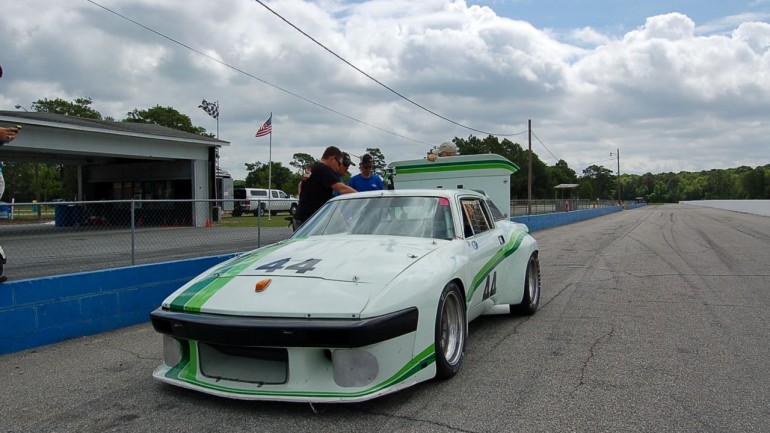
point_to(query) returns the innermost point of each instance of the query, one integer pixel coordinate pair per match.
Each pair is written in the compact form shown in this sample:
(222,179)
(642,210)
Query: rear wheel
(451,330)
(531,299)
(261,210)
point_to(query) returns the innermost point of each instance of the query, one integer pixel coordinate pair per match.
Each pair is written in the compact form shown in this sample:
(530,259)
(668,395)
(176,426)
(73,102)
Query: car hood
(329,276)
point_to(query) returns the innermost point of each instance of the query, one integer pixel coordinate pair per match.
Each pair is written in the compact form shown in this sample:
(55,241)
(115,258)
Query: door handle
(501,239)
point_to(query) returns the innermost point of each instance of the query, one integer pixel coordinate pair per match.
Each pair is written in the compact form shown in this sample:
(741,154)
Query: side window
(496,214)
(259,193)
(274,193)
(474,219)
(282,194)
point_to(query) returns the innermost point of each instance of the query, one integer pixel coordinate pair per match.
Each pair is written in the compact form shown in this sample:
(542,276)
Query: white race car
(372,295)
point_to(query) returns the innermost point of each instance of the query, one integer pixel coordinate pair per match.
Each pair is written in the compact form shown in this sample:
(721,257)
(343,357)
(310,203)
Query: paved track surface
(655,319)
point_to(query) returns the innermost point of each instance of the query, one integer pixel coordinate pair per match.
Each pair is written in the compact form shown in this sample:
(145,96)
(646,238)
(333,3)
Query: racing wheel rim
(452,335)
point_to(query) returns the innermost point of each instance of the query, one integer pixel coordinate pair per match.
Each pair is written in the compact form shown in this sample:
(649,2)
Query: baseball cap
(346,159)
(446,146)
(367,161)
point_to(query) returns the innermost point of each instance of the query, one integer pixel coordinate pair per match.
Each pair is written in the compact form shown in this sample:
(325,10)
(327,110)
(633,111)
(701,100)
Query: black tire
(293,209)
(531,299)
(451,331)
(261,210)
(236,212)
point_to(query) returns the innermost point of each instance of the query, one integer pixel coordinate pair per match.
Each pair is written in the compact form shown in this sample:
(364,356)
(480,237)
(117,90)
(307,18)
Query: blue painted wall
(546,221)
(47,310)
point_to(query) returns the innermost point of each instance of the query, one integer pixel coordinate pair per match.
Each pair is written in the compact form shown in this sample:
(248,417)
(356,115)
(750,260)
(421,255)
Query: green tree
(168,117)
(602,181)
(80,107)
(281,177)
(516,154)
(753,183)
(719,185)
(26,182)
(301,161)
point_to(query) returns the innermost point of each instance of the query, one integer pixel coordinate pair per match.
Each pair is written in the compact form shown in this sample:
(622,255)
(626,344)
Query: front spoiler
(282,332)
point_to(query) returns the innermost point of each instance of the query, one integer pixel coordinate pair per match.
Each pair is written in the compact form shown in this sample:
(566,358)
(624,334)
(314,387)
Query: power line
(544,146)
(376,80)
(252,76)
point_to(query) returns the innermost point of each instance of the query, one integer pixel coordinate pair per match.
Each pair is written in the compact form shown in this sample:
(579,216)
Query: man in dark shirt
(318,187)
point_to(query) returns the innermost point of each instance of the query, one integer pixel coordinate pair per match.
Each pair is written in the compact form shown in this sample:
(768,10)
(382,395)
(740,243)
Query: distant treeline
(596,181)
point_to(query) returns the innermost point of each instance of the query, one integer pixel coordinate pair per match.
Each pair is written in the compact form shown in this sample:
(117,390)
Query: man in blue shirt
(366,180)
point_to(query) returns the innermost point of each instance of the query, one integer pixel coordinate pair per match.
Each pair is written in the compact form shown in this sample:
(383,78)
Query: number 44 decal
(490,288)
(300,267)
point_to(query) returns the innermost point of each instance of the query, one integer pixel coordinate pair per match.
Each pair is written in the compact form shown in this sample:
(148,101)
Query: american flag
(210,107)
(267,128)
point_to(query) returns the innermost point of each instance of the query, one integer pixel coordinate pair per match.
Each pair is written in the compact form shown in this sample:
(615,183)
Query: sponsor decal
(505,251)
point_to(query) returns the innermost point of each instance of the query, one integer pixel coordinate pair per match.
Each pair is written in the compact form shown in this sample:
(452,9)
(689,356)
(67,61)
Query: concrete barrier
(47,310)
(755,207)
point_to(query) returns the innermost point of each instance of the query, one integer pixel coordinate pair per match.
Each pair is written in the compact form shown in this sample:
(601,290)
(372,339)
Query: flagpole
(270,169)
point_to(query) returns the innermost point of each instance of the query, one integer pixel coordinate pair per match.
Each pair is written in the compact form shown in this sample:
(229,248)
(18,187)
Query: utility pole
(529,176)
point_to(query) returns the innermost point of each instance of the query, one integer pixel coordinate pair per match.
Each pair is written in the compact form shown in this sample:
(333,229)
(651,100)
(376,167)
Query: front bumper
(282,332)
(319,360)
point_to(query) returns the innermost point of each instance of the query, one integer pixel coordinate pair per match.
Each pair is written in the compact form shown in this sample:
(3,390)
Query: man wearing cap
(343,170)
(366,180)
(323,180)
(446,148)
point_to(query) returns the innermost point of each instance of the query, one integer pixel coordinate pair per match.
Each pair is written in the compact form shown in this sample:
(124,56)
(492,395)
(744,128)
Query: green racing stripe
(193,298)
(454,166)
(509,248)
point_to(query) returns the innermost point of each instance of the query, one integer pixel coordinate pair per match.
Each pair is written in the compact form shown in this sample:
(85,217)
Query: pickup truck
(255,201)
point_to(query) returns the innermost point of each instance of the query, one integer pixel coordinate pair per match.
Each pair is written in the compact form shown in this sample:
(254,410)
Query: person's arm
(342,188)
(8,134)
(432,157)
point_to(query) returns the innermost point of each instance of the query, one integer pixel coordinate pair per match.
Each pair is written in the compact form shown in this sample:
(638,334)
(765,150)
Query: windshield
(425,217)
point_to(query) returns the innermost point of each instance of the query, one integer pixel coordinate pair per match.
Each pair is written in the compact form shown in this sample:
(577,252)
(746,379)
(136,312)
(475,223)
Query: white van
(257,201)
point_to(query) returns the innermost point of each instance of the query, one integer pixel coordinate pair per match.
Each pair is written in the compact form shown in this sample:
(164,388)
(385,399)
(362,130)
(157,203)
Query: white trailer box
(488,173)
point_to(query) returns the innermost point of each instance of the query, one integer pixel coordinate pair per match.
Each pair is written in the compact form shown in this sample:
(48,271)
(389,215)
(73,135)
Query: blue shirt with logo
(360,183)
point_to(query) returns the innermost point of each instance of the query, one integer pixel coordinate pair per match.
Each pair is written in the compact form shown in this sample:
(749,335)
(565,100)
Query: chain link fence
(536,207)
(53,238)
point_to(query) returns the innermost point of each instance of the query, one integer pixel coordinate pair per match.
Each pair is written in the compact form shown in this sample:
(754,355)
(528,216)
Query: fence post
(133,233)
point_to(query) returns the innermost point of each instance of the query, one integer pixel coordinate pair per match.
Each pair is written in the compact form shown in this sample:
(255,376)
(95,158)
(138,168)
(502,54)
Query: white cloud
(670,96)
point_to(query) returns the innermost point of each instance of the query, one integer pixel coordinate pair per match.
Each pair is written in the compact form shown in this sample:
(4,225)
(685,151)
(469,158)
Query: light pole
(617,153)
(21,107)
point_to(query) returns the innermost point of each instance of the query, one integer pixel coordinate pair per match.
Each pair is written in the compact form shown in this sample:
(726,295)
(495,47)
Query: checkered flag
(210,107)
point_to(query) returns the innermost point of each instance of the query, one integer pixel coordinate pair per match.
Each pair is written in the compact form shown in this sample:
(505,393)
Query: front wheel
(293,209)
(531,299)
(451,330)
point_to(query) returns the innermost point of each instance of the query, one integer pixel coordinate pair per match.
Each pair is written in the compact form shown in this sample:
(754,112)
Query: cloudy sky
(675,85)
